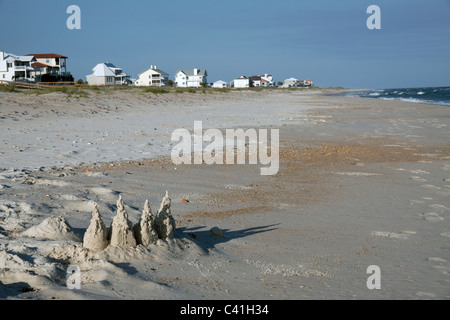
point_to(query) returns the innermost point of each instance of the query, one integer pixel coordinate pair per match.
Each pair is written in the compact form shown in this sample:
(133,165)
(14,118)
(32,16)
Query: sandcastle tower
(164,221)
(145,230)
(121,232)
(95,237)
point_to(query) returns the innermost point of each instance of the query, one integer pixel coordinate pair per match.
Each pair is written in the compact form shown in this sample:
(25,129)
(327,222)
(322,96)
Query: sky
(326,41)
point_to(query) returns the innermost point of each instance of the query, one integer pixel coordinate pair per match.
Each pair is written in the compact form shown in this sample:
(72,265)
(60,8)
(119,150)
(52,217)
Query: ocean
(431,95)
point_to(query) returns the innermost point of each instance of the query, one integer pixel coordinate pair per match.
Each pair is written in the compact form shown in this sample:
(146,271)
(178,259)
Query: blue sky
(323,40)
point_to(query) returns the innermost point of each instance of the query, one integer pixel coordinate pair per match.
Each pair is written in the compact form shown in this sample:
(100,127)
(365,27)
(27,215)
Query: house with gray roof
(107,74)
(153,77)
(191,78)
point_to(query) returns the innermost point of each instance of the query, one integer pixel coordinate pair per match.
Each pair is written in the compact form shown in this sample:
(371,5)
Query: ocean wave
(434,95)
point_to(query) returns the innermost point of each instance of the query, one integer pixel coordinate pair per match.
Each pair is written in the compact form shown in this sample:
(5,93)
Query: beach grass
(84,91)
(8,88)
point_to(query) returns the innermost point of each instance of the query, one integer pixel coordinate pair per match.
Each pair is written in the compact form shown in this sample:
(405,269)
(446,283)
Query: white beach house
(152,77)
(191,78)
(291,82)
(16,68)
(107,74)
(220,84)
(242,82)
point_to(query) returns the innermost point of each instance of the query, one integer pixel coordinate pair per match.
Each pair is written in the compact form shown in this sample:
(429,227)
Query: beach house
(241,82)
(16,68)
(220,84)
(50,67)
(291,82)
(294,83)
(191,78)
(306,83)
(107,74)
(265,80)
(152,77)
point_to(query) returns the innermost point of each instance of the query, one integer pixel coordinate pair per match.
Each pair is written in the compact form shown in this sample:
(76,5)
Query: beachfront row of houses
(51,67)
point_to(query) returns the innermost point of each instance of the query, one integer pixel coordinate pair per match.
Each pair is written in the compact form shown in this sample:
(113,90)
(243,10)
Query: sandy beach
(362,182)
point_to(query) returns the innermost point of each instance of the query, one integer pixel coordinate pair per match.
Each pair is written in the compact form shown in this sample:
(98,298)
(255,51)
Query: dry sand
(362,182)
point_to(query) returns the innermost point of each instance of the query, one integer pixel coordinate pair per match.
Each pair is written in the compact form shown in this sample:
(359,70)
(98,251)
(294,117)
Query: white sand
(362,182)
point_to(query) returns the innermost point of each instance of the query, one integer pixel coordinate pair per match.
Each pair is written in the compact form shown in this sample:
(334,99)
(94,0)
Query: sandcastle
(95,237)
(123,234)
(145,230)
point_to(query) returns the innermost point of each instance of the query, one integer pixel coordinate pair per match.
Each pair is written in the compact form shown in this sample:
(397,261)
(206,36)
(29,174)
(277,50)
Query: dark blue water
(431,95)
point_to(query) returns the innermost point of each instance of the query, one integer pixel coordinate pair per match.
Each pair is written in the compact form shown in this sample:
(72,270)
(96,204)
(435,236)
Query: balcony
(19,68)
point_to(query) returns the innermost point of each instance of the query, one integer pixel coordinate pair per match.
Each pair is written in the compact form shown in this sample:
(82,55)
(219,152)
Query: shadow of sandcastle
(209,238)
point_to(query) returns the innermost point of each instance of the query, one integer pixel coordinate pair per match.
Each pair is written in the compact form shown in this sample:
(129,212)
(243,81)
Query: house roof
(190,72)
(102,70)
(156,71)
(160,71)
(110,65)
(46,55)
(221,82)
(13,57)
(39,65)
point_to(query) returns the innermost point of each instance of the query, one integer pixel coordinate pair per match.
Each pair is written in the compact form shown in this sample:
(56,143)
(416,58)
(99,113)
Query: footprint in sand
(440,260)
(424,199)
(431,216)
(430,186)
(439,207)
(441,267)
(394,235)
(413,171)
(418,179)
(425,294)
